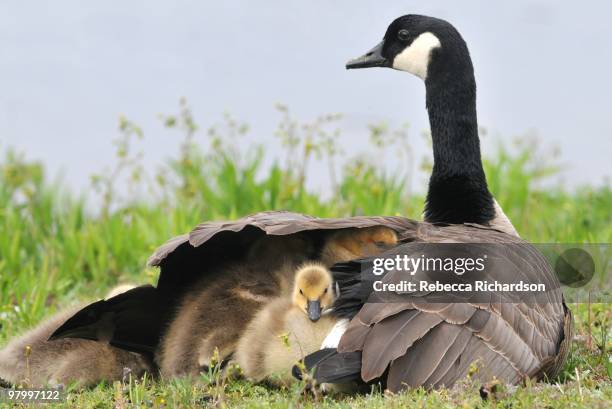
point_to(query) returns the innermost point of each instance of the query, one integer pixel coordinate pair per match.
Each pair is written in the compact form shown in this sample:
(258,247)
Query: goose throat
(458,191)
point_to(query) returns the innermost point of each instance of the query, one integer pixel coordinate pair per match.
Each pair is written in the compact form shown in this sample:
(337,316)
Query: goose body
(556,320)
(288,329)
(33,360)
(513,339)
(421,340)
(415,342)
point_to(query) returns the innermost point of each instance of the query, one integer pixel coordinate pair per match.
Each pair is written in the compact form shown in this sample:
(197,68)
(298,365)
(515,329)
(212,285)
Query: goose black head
(418,45)
(433,50)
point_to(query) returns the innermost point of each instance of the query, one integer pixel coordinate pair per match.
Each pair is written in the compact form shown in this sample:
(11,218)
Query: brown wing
(431,344)
(186,259)
(277,223)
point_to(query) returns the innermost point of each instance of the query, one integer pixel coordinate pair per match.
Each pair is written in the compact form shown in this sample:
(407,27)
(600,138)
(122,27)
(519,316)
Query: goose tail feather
(330,366)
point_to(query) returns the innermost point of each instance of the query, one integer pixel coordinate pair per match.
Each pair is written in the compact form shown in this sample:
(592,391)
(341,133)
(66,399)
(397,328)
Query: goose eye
(403,35)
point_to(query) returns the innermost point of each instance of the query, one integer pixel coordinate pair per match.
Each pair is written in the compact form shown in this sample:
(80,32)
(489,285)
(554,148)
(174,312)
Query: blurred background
(69,69)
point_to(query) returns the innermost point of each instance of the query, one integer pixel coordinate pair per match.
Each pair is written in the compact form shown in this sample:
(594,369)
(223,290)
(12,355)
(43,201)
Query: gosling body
(35,361)
(288,328)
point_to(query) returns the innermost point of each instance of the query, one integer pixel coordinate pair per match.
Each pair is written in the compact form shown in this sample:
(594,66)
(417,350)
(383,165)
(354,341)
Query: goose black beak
(372,58)
(314,310)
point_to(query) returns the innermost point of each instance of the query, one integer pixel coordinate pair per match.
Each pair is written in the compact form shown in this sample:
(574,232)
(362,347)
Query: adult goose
(437,343)
(415,341)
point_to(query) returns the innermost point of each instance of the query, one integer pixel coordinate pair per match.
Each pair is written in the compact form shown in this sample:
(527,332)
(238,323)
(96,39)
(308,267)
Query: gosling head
(419,45)
(312,291)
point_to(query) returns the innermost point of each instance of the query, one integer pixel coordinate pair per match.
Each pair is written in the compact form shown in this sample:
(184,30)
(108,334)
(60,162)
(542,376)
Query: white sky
(69,68)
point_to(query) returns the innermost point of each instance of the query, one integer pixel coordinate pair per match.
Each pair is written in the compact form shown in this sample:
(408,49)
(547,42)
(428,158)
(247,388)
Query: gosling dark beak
(314,310)
(372,58)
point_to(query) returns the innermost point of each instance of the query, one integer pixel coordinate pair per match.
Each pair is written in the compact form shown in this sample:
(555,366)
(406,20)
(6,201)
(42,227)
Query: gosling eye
(403,35)
(301,292)
(325,292)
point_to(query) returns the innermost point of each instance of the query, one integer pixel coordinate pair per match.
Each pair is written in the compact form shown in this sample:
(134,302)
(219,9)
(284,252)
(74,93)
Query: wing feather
(510,337)
(279,223)
(414,368)
(399,333)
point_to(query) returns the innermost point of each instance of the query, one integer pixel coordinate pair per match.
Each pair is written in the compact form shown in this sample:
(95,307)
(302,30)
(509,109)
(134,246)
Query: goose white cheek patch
(415,58)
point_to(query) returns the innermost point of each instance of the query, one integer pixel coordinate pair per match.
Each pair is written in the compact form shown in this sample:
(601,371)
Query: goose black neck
(458,190)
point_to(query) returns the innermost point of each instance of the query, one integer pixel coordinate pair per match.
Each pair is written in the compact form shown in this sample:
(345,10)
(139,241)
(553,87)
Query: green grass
(57,247)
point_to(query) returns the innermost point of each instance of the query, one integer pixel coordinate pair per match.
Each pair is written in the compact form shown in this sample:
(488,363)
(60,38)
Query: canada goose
(424,344)
(34,361)
(535,339)
(288,328)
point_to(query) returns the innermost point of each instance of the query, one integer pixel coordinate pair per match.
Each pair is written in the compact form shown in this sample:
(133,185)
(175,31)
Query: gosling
(33,361)
(288,329)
